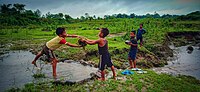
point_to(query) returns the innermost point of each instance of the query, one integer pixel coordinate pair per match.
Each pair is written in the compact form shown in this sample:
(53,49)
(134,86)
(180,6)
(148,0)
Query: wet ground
(16,70)
(184,62)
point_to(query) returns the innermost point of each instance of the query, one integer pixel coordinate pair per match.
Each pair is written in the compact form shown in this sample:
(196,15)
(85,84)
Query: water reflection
(186,61)
(16,70)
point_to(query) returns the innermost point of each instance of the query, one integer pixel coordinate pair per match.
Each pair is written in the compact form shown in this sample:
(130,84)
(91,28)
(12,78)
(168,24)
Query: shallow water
(183,63)
(16,70)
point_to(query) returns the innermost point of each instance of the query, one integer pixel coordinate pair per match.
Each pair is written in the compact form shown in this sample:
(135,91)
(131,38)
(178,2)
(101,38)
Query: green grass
(39,76)
(24,38)
(149,82)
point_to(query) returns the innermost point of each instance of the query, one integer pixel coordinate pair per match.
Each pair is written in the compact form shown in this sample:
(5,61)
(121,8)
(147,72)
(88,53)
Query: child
(133,50)
(105,58)
(140,32)
(52,45)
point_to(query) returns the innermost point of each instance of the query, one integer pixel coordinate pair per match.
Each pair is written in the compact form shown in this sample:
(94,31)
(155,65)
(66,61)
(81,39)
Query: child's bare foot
(131,67)
(54,75)
(114,77)
(34,63)
(101,79)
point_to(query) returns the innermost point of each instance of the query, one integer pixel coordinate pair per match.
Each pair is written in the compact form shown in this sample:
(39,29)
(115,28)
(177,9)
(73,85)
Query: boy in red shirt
(52,45)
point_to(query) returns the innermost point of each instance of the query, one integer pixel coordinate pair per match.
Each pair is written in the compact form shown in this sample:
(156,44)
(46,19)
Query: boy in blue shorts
(133,50)
(103,52)
(140,32)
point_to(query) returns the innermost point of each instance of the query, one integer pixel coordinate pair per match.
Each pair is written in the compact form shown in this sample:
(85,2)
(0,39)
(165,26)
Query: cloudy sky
(77,8)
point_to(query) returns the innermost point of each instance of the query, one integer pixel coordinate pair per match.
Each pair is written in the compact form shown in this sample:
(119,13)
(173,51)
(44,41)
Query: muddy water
(184,62)
(16,70)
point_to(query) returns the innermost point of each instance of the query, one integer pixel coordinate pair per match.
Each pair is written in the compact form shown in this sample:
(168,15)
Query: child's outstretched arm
(73,36)
(72,45)
(92,42)
(63,41)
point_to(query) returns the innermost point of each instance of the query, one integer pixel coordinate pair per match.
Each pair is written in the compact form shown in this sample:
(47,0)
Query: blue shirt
(133,48)
(140,32)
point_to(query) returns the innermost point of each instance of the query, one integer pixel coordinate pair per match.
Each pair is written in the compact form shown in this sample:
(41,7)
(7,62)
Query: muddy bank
(184,38)
(163,51)
(185,60)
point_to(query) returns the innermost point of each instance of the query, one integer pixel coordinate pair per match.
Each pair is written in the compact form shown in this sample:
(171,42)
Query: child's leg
(103,75)
(130,62)
(113,70)
(54,64)
(135,63)
(141,42)
(36,58)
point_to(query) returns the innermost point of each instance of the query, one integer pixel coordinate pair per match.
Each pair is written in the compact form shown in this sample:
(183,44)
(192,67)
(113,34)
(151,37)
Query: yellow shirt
(55,43)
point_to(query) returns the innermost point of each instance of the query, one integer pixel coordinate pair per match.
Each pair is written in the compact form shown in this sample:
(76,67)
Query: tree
(68,18)
(106,16)
(49,15)
(156,15)
(61,15)
(132,15)
(119,15)
(37,13)
(5,8)
(87,15)
(82,18)
(148,15)
(124,15)
(19,7)
(94,17)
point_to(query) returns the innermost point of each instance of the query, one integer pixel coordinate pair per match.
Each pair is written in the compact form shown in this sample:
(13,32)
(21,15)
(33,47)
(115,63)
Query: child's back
(104,49)
(104,57)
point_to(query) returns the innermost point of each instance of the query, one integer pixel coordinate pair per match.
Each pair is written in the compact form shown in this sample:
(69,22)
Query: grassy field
(33,38)
(26,38)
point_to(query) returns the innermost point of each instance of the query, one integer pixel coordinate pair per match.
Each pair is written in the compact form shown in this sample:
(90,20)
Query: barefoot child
(133,50)
(140,32)
(52,45)
(103,52)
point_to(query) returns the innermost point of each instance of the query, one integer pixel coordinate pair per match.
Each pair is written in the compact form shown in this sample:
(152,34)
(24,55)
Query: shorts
(104,60)
(49,53)
(140,38)
(132,55)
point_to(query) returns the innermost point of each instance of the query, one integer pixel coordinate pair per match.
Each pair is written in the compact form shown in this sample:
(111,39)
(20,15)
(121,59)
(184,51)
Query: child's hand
(82,42)
(79,37)
(129,43)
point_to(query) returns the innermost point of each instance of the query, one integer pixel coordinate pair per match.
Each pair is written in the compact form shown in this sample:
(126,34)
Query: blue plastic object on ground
(127,72)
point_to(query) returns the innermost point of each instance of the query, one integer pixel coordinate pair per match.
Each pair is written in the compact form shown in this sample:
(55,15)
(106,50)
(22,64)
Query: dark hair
(133,31)
(141,24)
(60,30)
(105,31)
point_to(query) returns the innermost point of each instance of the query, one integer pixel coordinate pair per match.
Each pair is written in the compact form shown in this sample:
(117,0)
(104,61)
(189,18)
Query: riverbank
(127,83)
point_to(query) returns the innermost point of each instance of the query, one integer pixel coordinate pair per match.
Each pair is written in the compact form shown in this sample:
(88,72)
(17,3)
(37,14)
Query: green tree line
(17,15)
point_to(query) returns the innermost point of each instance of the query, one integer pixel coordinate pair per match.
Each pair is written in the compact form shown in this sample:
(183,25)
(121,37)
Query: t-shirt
(56,42)
(140,32)
(133,48)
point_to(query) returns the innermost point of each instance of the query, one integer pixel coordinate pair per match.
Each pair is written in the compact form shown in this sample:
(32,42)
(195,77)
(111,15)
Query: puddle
(16,70)
(185,62)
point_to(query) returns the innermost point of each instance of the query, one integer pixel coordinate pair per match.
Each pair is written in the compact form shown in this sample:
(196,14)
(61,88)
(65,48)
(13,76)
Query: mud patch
(16,70)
